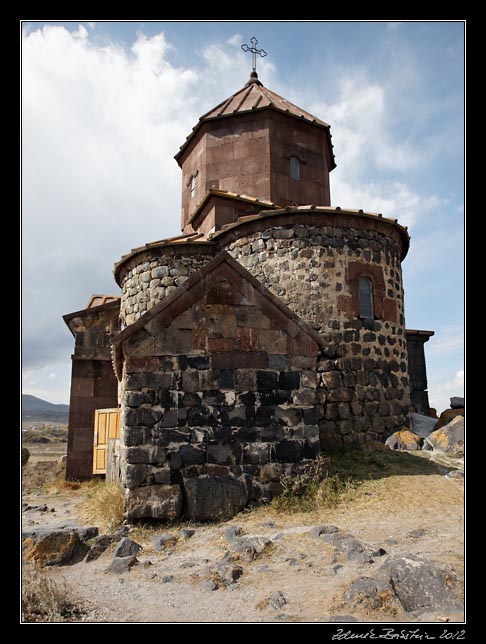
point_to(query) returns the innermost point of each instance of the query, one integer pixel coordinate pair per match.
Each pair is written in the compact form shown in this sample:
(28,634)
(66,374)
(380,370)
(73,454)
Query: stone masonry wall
(215,408)
(314,270)
(151,279)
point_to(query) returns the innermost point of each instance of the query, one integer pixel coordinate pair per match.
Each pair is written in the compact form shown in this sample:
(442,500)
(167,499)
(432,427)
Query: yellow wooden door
(106,425)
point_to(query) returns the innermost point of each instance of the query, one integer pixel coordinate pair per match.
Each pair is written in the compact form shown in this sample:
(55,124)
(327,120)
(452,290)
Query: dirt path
(165,586)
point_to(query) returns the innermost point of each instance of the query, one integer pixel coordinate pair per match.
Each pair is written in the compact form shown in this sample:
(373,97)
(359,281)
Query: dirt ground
(165,586)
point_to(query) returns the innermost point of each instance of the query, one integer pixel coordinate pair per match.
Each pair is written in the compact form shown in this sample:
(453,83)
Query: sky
(106,106)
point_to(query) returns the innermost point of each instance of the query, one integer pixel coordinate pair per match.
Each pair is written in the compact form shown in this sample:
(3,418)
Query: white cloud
(441,392)
(365,147)
(393,199)
(361,123)
(51,376)
(235,39)
(448,342)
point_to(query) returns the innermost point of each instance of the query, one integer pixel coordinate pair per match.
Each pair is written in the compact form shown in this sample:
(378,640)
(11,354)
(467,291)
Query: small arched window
(193,185)
(365,298)
(294,168)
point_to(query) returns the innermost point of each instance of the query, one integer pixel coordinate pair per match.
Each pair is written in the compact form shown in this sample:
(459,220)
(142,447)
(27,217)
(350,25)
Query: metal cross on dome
(253,50)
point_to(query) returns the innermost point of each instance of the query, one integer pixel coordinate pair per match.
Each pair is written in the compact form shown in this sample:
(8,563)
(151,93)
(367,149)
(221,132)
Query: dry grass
(44,600)
(314,488)
(104,505)
(361,477)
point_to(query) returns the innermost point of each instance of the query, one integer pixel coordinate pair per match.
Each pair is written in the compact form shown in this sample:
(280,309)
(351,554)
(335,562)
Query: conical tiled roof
(254,96)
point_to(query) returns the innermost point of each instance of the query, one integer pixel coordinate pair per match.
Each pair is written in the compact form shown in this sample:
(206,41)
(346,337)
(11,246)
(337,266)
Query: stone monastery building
(270,331)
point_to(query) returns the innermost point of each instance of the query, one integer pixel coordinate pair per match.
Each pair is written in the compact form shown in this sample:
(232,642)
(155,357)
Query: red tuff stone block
(390,311)
(221,344)
(200,339)
(303,345)
(136,364)
(240,360)
(248,339)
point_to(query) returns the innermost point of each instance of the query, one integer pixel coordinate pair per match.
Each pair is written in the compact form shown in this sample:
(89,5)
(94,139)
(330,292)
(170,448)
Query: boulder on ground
(119,565)
(447,416)
(214,498)
(277,600)
(227,573)
(404,440)
(154,501)
(57,547)
(423,425)
(319,530)
(248,548)
(126,548)
(164,540)
(99,545)
(353,549)
(370,594)
(448,439)
(420,584)
(457,402)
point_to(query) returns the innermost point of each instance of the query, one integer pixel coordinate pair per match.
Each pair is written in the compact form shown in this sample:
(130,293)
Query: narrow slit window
(365,298)
(294,168)
(193,185)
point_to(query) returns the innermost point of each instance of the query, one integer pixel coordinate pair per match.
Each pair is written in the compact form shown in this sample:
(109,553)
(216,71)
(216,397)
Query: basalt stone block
(304,396)
(234,416)
(161,475)
(166,436)
(275,397)
(227,378)
(256,453)
(277,362)
(312,448)
(145,416)
(342,394)
(145,454)
(266,380)
(224,453)
(332,411)
(198,362)
(154,501)
(169,419)
(246,434)
(247,398)
(214,498)
(167,399)
(136,435)
(190,399)
(289,451)
(200,417)
(345,426)
(136,475)
(175,460)
(192,455)
(344,411)
(270,472)
(263,415)
(289,380)
(362,424)
(288,417)
(271,434)
(137,398)
(221,433)
(213,398)
(324,364)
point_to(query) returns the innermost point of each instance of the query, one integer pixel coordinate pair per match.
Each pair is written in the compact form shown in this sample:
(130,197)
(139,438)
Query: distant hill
(38,409)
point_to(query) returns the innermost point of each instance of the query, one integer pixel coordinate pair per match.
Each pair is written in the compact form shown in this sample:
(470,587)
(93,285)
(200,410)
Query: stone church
(271,330)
